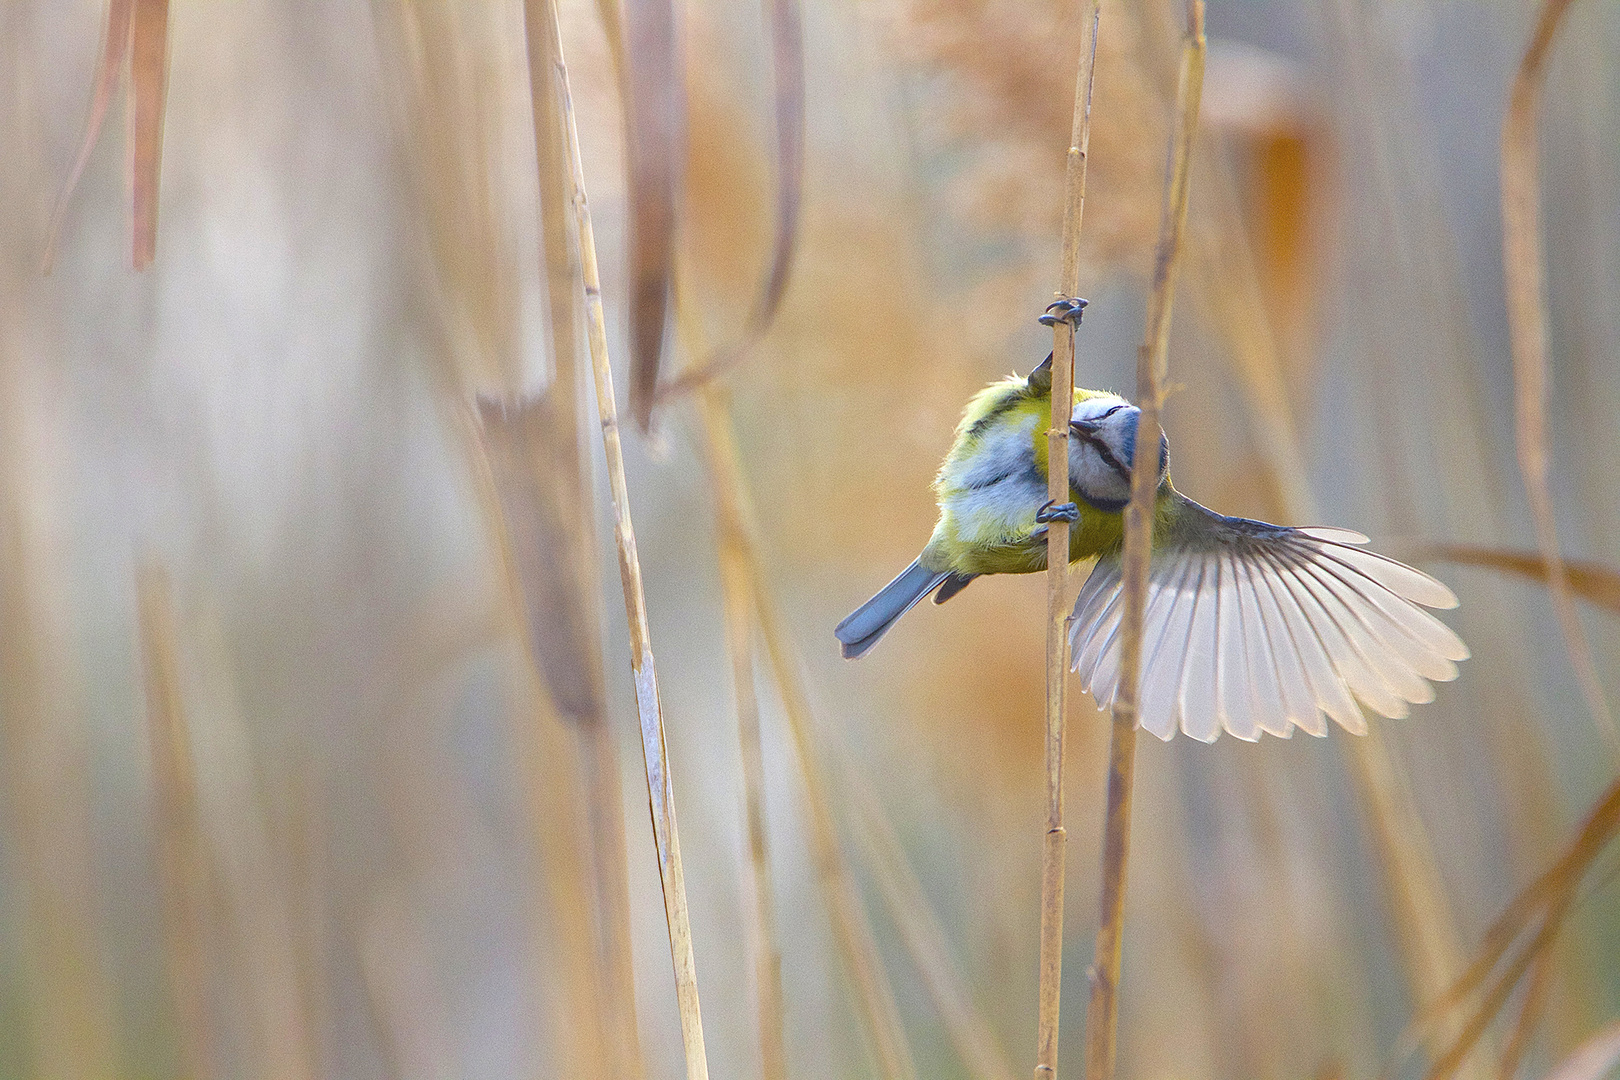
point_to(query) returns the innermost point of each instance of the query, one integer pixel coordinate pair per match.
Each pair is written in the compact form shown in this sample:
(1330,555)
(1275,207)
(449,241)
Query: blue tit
(1249,627)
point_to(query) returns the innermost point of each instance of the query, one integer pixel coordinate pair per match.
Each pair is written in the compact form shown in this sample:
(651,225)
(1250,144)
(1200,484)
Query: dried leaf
(524,444)
(787,59)
(114,44)
(655,122)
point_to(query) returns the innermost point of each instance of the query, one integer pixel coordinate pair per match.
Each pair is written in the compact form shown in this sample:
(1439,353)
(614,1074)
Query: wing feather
(1265,689)
(1160,687)
(1383,662)
(1292,679)
(1253,628)
(1196,700)
(1234,703)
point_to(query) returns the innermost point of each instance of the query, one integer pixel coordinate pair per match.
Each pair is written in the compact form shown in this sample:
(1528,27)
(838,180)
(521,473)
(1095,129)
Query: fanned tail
(869,622)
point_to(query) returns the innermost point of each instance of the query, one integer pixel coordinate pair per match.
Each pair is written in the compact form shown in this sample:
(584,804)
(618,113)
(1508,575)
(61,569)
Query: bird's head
(1102,450)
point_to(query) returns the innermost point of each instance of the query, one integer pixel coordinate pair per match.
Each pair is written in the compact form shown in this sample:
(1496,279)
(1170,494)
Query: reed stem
(1525,285)
(1102,1014)
(660,789)
(1057,567)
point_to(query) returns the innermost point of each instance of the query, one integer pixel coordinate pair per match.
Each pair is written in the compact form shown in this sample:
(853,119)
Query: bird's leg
(1053,510)
(1068,311)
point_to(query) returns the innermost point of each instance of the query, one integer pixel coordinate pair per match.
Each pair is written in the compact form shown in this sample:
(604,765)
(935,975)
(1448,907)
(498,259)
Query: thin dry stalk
(565,470)
(923,937)
(138,29)
(1226,283)
(148,91)
(182,871)
(1593,582)
(1543,904)
(1054,841)
(660,788)
(1524,280)
(737,600)
(1151,366)
(737,610)
(873,994)
(1531,1011)
(874,997)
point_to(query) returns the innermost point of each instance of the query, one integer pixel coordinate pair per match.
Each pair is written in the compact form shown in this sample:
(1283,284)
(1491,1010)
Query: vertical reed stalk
(182,872)
(873,994)
(1054,841)
(737,609)
(1525,284)
(567,470)
(660,790)
(736,587)
(923,937)
(874,997)
(1102,1015)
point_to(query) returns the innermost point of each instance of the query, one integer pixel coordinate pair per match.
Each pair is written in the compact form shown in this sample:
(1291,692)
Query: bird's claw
(1055,511)
(1068,311)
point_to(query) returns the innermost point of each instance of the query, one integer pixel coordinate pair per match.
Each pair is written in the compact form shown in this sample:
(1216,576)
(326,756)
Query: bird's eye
(1110,412)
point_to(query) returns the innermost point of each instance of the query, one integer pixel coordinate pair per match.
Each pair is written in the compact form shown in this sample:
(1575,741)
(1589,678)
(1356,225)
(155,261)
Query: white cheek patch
(1092,408)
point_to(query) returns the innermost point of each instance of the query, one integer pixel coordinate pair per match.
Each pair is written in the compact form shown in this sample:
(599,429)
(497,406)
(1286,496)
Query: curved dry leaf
(114,44)
(1593,582)
(787,60)
(655,121)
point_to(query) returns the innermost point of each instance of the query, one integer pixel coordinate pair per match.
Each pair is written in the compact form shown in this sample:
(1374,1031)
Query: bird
(1249,627)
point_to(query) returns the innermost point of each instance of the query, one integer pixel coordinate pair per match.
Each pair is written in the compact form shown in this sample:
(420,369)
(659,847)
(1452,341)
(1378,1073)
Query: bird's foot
(1068,311)
(1055,511)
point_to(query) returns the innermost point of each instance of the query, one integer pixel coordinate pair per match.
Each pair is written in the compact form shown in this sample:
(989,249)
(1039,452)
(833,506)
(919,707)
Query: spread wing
(1253,627)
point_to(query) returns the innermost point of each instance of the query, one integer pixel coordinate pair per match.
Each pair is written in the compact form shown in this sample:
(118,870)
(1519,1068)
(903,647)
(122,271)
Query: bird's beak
(1085,427)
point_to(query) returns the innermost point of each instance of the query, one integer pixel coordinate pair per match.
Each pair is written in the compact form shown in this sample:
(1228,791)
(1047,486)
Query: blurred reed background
(316,735)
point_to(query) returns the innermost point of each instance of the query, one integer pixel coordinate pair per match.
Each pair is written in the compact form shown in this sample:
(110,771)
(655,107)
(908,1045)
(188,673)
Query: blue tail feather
(869,622)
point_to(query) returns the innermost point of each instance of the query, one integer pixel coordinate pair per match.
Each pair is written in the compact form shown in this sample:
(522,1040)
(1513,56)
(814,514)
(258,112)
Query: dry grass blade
(1524,277)
(655,117)
(1593,582)
(148,89)
(1225,280)
(873,994)
(564,468)
(1531,1012)
(1543,904)
(737,612)
(737,601)
(114,45)
(660,789)
(1593,1059)
(874,997)
(517,477)
(182,871)
(787,65)
(924,938)
(1057,569)
(1151,365)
